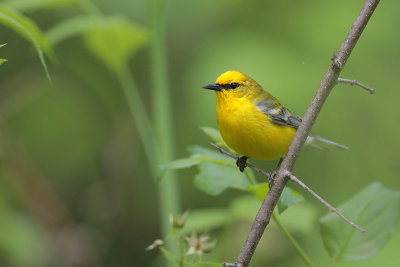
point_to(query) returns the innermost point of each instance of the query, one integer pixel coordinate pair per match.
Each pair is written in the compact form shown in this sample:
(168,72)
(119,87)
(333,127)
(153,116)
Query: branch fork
(288,175)
(329,81)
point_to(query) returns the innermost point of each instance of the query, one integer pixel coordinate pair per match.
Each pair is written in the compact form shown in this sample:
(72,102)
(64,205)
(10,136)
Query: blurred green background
(75,185)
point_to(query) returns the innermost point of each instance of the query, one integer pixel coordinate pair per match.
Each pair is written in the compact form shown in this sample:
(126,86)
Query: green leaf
(216,171)
(114,40)
(28,29)
(259,190)
(70,27)
(168,255)
(208,264)
(214,179)
(181,163)
(244,208)
(32,5)
(213,134)
(200,154)
(213,156)
(205,220)
(288,198)
(376,209)
(2,60)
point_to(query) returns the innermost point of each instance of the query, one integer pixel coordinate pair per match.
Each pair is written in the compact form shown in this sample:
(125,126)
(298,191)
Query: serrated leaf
(28,29)
(288,198)
(214,179)
(205,220)
(376,209)
(32,5)
(114,40)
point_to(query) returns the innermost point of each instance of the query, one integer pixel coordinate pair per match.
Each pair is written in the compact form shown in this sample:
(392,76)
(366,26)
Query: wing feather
(279,114)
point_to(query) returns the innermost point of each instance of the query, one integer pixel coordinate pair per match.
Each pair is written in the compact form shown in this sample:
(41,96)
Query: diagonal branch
(223,151)
(297,181)
(329,81)
(329,206)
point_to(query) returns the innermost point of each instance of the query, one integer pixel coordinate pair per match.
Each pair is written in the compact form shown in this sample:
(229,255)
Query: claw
(241,163)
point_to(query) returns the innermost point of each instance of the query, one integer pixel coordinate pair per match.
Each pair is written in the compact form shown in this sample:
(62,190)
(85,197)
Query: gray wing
(279,115)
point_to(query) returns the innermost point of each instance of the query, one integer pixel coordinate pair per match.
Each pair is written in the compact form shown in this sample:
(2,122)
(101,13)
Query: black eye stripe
(234,85)
(230,86)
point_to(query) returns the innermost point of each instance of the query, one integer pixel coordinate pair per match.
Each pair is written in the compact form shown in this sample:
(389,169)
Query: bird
(254,123)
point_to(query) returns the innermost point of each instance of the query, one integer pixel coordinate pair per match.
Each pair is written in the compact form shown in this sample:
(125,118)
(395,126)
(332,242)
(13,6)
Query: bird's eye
(234,85)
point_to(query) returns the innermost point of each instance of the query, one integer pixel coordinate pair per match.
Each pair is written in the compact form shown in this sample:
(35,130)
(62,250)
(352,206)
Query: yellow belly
(249,132)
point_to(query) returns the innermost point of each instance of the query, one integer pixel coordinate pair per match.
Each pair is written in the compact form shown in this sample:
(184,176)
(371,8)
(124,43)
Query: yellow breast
(248,131)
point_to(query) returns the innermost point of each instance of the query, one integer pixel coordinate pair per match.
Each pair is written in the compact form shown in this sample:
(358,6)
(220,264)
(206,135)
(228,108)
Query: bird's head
(234,84)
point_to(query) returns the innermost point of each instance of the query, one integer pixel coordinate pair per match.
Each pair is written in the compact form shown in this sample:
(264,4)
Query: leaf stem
(142,121)
(292,241)
(250,176)
(163,122)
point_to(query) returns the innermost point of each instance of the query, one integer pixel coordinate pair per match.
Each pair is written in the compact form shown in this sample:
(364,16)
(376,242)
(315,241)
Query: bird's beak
(213,86)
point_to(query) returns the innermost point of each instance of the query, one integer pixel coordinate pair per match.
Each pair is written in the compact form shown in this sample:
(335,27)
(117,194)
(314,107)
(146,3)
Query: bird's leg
(241,163)
(271,178)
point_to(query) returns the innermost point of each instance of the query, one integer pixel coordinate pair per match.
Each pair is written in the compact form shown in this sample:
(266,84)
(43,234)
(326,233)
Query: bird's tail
(322,143)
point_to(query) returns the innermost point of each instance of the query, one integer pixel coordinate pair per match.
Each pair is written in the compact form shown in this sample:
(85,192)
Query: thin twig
(329,81)
(296,180)
(355,82)
(329,206)
(294,243)
(223,151)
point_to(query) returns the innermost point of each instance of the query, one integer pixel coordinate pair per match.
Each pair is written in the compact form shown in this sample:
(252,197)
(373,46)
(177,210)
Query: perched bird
(253,122)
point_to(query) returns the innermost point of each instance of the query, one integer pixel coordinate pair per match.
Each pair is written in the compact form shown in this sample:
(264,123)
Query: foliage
(377,210)
(29,5)
(28,29)
(80,143)
(2,60)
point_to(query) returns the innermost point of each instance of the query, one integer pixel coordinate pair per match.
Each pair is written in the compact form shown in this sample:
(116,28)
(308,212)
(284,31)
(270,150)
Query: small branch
(223,151)
(355,82)
(296,180)
(329,206)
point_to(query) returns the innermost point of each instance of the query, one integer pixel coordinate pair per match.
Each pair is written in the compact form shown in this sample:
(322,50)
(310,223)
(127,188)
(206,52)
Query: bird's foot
(241,163)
